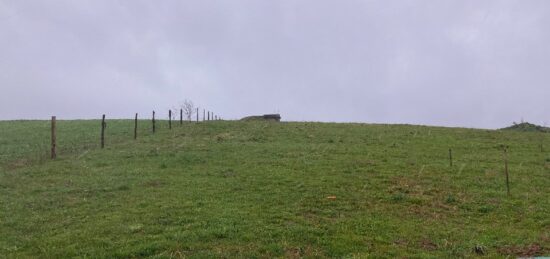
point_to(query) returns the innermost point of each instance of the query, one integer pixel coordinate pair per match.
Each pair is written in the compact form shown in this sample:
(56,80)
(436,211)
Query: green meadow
(263,189)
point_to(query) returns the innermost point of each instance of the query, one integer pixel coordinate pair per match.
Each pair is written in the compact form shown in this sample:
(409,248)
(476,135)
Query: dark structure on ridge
(266,117)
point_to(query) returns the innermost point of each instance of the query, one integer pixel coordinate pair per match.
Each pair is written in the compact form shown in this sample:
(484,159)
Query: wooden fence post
(181,116)
(135,126)
(197,114)
(506,171)
(170,119)
(451,157)
(208,116)
(54,144)
(103,131)
(153,121)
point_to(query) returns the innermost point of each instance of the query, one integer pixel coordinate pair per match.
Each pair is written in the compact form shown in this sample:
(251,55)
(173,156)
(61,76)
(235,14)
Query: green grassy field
(258,189)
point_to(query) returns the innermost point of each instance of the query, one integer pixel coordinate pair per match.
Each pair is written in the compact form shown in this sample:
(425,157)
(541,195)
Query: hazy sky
(439,62)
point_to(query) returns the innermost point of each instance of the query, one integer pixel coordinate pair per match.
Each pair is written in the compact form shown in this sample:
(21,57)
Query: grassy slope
(260,189)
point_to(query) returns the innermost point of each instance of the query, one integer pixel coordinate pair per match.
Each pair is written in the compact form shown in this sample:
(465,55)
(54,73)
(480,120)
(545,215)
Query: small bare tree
(175,112)
(188,109)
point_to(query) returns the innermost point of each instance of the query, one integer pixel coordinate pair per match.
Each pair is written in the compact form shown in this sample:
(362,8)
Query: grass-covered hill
(260,189)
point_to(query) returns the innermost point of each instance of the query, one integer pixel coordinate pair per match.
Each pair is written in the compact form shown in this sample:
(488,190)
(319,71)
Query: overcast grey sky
(466,63)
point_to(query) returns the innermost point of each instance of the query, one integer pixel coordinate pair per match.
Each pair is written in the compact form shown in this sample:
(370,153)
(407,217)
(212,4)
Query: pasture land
(259,189)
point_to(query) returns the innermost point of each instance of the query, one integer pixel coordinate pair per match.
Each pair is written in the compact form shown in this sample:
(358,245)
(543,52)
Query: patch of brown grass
(154,183)
(427,244)
(523,251)
(19,163)
(300,252)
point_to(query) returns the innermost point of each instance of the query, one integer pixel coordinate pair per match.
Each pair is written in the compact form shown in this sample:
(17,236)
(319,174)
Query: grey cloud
(454,63)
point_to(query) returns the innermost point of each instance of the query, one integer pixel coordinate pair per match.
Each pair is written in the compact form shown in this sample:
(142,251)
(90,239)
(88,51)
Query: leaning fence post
(54,145)
(506,171)
(451,157)
(135,126)
(103,131)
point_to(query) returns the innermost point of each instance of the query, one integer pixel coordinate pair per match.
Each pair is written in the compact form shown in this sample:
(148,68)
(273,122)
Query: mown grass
(258,189)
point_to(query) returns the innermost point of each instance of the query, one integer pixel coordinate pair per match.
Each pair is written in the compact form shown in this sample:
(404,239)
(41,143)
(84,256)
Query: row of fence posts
(53,151)
(208,116)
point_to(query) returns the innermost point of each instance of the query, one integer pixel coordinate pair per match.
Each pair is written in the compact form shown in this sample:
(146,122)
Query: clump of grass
(485,209)
(397,197)
(451,199)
